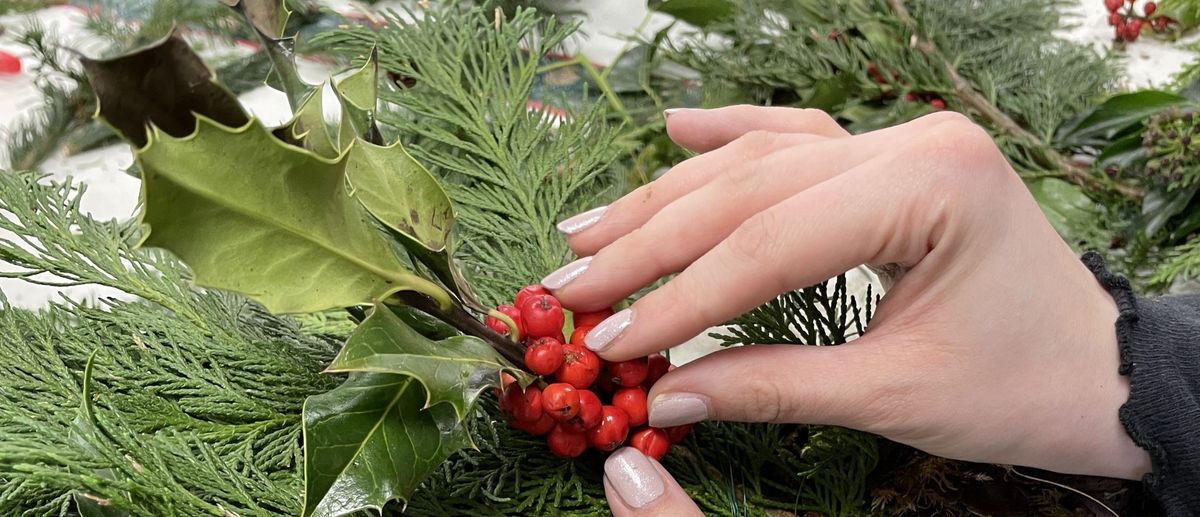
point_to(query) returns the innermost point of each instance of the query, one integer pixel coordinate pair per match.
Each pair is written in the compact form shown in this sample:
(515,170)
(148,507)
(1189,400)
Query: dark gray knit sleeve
(1159,340)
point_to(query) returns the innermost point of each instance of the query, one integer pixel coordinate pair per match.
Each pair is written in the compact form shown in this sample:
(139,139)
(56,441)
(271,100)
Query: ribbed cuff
(1159,342)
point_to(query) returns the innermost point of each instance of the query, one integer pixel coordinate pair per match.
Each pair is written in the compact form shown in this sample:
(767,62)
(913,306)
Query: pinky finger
(636,485)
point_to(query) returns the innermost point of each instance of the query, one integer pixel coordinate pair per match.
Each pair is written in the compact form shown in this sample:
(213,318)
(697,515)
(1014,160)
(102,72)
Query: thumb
(854,385)
(637,485)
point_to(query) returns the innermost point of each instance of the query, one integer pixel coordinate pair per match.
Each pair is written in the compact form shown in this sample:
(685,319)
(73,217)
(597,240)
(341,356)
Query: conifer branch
(970,97)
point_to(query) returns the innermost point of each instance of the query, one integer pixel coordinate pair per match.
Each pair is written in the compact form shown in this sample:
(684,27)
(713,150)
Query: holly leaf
(357,93)
(267,16)
(308,128)
(165,85)
(454,370)
(251,214)
(370,441)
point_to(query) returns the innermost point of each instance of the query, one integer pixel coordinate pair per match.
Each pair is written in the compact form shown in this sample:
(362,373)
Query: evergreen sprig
(511,171)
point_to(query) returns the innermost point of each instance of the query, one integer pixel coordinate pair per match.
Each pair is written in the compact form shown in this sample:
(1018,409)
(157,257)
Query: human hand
(996,345)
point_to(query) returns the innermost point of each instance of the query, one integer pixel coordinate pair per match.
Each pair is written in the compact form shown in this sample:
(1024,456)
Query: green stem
(459,318)
(513,331)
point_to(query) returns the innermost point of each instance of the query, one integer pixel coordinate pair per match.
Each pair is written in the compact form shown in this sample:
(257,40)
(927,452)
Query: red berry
(9,64)
(589,412)
(1135,27)
(561,401)
(543,316)
(1149,8)
(656,366)
(628,373)
(678,433)
(1113,5)
(604,384)
(580,367)
(522,406)
(652,441)
(528,292)
(610,433)
(499,326)
(544,356)
(566,443)
(633,402)
(578,335)
(1115,18)
(938,104)
(538,427)
(591,319)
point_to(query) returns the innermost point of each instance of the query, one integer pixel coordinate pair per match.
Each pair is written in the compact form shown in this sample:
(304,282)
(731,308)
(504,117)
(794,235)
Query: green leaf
(401,194)
(369,442)
(454,370)
(251,214)
(696,12)
(267,16)
(1066,206)
(165,85)
(1158,207)
(308,128)
(1116,115)
(1122,153)
(358,93)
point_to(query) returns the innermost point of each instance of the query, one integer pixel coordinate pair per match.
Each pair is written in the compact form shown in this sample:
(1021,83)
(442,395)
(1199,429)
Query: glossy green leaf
(1122,153)
(165,85)
(369,441)
(250,214)
(1119,113)
(268,16)
(1158,207)
(454,370)
(696,12)
(1066,206)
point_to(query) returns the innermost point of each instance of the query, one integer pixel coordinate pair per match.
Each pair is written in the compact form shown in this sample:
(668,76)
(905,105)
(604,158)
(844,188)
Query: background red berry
(566,443)
(612,430)
(561,401)
(1114,19)
(499,326)
(9,64)
(578,335)
(938,104)
(628,373)
(522,406)
(528,292)
(652,441)
(542,316)
(590,409)
(1113,5)
(538,427)
(1149,8)
(678,433)
(590,319)
(580,367)
(544,356)
(633,402)
(657,365)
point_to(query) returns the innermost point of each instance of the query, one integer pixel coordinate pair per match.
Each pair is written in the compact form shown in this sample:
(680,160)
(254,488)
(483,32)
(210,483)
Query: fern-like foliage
(858,62)
(512,171)
(196,395)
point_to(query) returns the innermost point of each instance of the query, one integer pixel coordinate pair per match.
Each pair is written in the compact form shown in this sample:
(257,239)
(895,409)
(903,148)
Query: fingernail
(634,478)
(566,274)
(580,222)
(668,112)
(672,409)
(601,337)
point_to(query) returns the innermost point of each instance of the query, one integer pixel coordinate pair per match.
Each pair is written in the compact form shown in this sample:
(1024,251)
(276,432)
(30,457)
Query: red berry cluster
(1128,25)
(581,400)
(934,100)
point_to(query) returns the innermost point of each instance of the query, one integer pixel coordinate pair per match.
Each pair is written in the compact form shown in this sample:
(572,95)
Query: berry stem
(513,331)
(459,318)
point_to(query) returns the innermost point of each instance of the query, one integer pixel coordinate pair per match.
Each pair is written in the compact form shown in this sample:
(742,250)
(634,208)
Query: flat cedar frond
(512,172)
(197,395)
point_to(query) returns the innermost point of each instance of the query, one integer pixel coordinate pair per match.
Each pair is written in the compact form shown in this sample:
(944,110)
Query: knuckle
(757,142)
(764,400)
